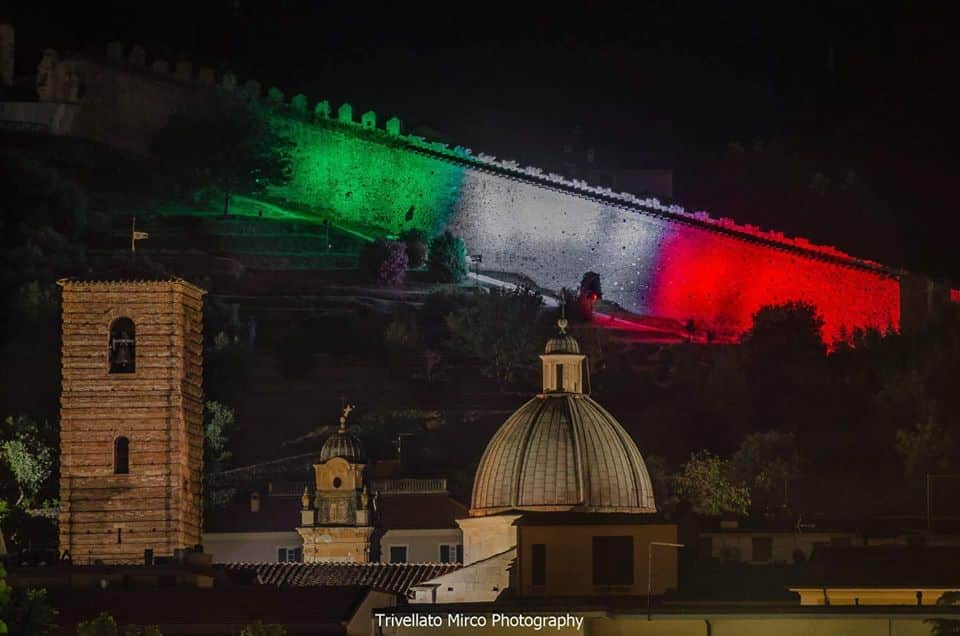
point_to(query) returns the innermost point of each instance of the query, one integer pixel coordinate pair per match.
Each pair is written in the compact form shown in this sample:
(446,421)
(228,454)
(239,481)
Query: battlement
(322,112)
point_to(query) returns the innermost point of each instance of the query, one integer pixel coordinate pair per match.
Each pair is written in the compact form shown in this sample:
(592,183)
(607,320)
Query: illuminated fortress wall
(655,259)
(649,264)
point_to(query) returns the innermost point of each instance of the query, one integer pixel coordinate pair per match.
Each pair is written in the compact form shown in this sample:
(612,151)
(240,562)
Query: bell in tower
(122,346)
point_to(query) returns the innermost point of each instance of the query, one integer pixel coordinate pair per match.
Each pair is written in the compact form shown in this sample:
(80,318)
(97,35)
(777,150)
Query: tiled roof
(387,577)
(402,512)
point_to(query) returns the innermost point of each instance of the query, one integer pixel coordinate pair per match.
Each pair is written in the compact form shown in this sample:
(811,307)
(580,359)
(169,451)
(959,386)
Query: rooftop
(387,577)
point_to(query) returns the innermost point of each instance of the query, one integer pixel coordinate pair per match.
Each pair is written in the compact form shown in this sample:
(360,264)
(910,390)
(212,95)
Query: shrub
(384,262)
(416,242)
(447,260)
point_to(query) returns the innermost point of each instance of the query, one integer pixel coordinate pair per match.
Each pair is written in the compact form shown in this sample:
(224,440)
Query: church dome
(343,444)
(562,451)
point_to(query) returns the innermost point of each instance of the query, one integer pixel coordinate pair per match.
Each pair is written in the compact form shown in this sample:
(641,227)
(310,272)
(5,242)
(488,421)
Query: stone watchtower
(337,526)
(131,419)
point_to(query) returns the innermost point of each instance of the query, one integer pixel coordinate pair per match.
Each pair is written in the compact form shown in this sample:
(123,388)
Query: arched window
(121,456)
(123,346)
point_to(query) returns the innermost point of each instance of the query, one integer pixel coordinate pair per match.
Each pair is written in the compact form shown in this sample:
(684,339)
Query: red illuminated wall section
(719,282)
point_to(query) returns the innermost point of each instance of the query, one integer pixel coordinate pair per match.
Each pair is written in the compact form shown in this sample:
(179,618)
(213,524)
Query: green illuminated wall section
(367,184)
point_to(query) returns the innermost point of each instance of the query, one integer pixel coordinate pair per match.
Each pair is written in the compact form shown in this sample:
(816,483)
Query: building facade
(131,419)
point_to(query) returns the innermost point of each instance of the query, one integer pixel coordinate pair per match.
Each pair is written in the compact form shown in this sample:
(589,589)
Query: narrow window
(613,560)
(281,555)
(122,353)
(539,564)
(398,554)
(121,456)
(559,377)
(444,553)
(459,553)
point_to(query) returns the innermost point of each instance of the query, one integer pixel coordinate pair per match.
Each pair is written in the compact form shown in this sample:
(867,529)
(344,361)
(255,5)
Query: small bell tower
(335,525)
(131,419)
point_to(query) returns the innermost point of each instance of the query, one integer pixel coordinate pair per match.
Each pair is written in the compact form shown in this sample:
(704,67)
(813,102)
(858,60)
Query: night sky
(655,84)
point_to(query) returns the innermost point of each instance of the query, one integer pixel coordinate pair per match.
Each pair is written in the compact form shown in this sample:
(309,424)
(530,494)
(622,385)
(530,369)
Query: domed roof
(563,452)
(562,342)
(343,444)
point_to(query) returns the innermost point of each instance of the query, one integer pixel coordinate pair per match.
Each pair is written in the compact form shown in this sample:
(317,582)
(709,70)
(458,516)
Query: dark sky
(658,82)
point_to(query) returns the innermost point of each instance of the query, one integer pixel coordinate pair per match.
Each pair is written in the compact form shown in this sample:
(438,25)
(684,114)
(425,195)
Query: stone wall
(655,259)
(159,408)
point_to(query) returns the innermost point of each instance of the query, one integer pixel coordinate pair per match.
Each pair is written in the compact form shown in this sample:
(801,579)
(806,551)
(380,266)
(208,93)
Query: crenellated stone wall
(655,258)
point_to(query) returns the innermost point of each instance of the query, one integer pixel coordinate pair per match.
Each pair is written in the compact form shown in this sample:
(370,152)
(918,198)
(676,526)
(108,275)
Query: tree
(259,629)
(219,423)
(228,144)
(416,242)
(102,625)
(705,482)
(27,455)
(384,262)
(32,614)
(4,598)
(500,329)
(766,462)
(785,364)
(447,258)
(588,294)
(945,626)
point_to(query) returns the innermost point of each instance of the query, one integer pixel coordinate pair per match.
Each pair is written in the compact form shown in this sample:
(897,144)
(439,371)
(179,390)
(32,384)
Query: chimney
(254,502)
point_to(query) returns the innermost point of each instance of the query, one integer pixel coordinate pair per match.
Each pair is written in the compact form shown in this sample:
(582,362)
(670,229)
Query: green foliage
(219,423)
(259,629)
(767,462)
(101,625)
(501,330)
(705,481)
(447,258)
(4,599)
(28,455)
(227,145)
(945,626)
(32,614)
(384,262)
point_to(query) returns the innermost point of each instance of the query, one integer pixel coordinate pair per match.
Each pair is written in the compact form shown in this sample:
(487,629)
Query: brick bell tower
(131,419)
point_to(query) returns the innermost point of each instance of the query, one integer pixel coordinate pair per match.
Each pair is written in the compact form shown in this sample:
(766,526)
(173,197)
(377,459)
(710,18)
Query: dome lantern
(562,363)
